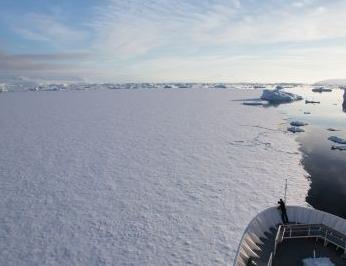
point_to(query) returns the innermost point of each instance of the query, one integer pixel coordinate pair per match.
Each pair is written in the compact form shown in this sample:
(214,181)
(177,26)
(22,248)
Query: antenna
(285,189)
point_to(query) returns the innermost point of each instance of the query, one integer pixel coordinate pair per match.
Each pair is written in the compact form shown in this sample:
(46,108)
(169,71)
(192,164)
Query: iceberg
(277,95)
(220,86)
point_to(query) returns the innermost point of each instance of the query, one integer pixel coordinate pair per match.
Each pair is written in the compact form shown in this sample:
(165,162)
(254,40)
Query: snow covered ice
(138,177)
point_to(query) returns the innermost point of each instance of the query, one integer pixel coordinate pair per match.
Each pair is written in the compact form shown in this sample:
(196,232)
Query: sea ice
(138,177)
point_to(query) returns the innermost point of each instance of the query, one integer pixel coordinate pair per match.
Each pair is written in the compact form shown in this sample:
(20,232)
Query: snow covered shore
(141,177)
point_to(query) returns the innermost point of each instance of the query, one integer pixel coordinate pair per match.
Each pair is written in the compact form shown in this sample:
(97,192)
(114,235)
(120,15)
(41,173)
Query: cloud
(54,57)
(294,64)
(22,64)
(133,28)
(47,28)
(158,40)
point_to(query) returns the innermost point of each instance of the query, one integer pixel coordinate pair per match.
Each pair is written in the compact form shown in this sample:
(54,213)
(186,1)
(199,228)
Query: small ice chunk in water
(295,129)
(298,124)
(339,147)
(337,140)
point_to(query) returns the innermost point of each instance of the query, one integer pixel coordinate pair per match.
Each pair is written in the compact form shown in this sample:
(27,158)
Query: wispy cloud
(47,28)
(197,40)
(152,25)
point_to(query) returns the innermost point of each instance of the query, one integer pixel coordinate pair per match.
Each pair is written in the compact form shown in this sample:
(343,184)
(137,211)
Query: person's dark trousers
(284,217)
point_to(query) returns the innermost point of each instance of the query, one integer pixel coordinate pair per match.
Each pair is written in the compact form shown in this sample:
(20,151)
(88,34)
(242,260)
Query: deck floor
(293,251)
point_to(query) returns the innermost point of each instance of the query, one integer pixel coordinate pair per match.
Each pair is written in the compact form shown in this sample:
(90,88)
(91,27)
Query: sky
(174,40)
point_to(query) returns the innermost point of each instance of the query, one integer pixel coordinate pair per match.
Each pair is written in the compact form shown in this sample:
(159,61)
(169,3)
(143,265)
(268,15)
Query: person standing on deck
(282,207)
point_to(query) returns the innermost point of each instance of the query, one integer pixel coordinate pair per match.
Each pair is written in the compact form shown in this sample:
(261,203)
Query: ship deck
(310,233)
(293,251)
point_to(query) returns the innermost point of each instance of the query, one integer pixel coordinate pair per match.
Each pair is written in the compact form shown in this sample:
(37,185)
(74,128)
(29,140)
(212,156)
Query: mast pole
(285,189)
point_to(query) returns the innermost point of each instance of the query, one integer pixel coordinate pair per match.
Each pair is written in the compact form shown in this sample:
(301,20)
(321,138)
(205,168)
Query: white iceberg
(337,140)
(277,95)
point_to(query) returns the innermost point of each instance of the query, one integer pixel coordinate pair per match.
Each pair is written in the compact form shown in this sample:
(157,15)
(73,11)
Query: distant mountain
(333,82)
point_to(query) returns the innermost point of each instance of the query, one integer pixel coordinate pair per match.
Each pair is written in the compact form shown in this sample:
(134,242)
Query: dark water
(326,167)
(328,172)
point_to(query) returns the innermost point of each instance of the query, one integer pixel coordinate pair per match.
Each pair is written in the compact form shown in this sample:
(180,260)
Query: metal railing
(318,231)
(308,222)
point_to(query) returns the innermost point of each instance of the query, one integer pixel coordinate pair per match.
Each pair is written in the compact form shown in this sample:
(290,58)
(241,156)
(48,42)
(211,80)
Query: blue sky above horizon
(174,40)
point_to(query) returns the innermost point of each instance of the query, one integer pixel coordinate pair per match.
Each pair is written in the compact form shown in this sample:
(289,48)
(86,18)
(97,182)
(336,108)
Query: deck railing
(321,231)
(307,223)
